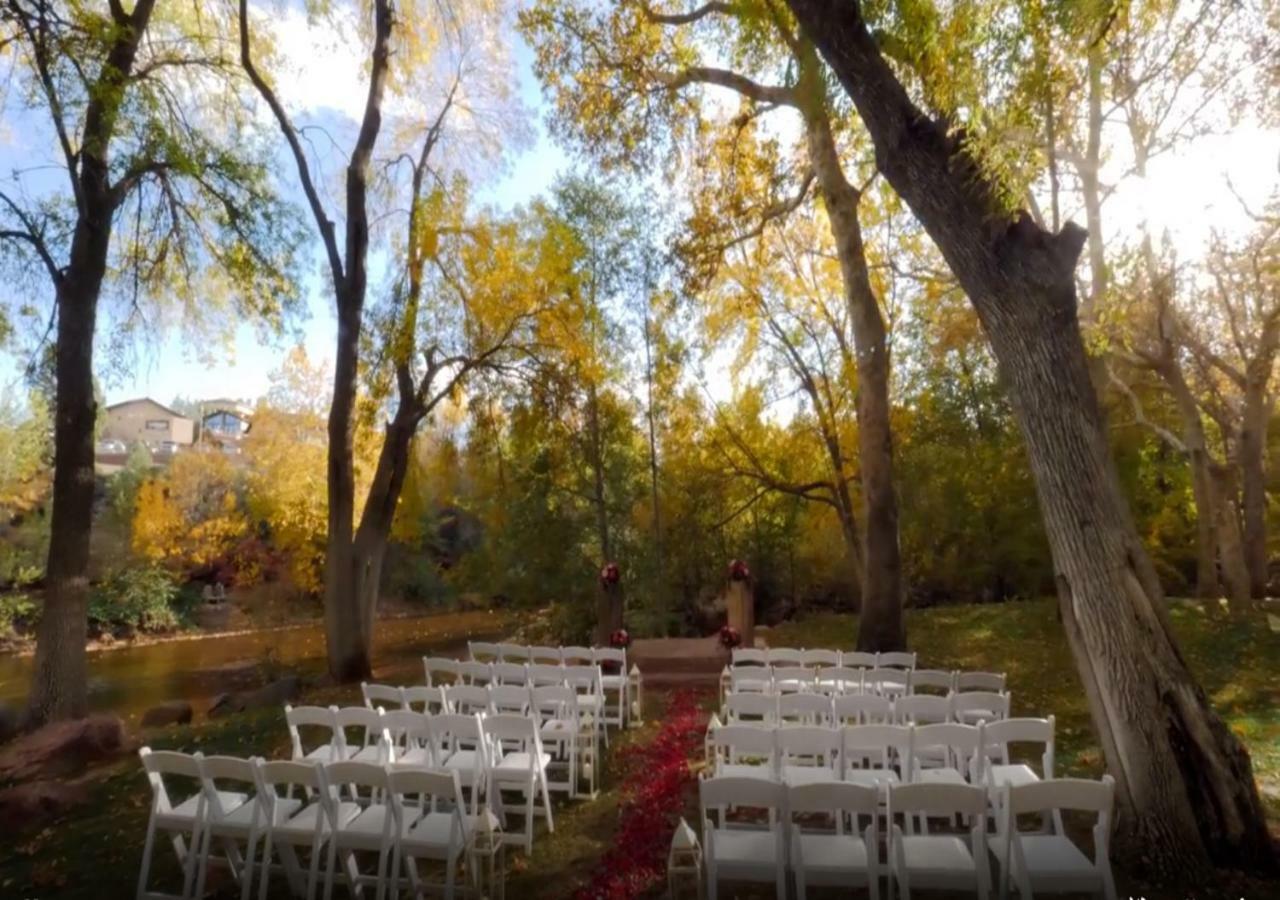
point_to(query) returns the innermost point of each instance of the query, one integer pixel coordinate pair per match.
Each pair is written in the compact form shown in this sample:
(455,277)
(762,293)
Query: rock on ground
(277,693)
(175,712)
(27,806)
(63,748)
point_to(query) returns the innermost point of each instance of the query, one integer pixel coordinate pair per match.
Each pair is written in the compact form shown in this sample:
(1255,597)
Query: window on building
(157,424)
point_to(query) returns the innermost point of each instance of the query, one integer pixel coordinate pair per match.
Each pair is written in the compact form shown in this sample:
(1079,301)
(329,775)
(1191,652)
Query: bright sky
(1185,194)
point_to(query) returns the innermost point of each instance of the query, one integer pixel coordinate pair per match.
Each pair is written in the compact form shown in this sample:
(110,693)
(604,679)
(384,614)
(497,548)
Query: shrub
(140,597)
(16,609)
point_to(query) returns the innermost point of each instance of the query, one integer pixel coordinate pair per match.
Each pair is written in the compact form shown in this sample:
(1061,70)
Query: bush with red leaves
(656,777)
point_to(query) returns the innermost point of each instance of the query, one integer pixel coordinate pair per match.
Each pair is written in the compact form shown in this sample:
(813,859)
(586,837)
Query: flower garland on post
(656,777)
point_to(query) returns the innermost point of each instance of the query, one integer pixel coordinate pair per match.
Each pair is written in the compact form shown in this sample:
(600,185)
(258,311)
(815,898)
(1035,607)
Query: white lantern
(637,696)
(490,856)
(724,684)
(684,864)
(707,745)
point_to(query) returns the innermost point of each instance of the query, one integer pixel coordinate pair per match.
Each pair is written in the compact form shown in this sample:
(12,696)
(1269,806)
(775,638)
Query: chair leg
(546,801)
(246,876)
(145,869)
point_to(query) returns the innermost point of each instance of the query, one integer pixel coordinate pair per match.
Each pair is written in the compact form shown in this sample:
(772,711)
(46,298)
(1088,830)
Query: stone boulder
(28,806)
(64,748)
(175,712)
(277,693)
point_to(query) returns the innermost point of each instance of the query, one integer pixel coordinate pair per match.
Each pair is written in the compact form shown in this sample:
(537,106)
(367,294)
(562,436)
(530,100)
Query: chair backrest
(584,679)
(716,795)
(448,730)
(858,659)
(513,653)
(467,699)
(577,656)
(545,674)
(937,799)
(360,726)
(440,670)
(428,790)
(218,772)
(1080,794)
(732,743)
(500,730)
(510,673)
(750,678)
(895,659)
(920,680)
(371,777)
(279,778)
(407,729)
(784,656)
(960,747)
(313,717)
(885,680)
(793,678)
(760,708)
(875,746)
(509,698)
(862,709)
(998,735)
(602,655)
(808,709)
(554,701)
(482,651)
(163,765)
(384,695)
(808,745)
(922,709)
(839,680)
(980,681)
(475,672)
(819,657)
(424,699)
(984,705)
(547,656)
(748,656)
(836,799)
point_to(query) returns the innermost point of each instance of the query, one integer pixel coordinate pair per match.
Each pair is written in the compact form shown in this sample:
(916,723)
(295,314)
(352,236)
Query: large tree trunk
(596,449)
(1253,480)
(59,676)
(880,625)
(1224,518)
(1184,783)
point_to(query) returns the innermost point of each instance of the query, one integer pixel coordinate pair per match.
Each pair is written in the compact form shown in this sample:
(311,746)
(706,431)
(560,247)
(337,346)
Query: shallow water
(129,680)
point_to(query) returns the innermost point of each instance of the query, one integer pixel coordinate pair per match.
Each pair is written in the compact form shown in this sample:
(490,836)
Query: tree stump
(740,602)
(609,607)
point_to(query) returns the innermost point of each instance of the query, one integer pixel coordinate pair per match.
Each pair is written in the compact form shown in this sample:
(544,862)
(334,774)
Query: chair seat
(240,820)
(300,827)
(613,681)
(1052,858)
(464,761)
(1013,775)
(187,808)
(417,756)
(323,754)
(430,835)
(744,770)
(871,777)
(936,855)
(798,775)
(367,754)
(520,764)
(365,830)
(558,729)
(830,853)
(745,848)
(940,775)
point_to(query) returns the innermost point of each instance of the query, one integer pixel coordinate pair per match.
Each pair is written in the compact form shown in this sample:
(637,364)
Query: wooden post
(741,605)
(609,607)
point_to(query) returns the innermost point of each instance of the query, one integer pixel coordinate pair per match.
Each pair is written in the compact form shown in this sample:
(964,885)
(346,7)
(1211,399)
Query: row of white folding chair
(786,656)
(482,651)
(418,698)
(410,814)
(878,754)
(504,662)
(847,680)
(969,707)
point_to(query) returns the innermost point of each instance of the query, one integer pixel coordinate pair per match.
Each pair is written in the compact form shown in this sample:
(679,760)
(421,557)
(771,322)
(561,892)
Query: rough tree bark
(1253,478)
(58,685)
(880,624)
(1184,783)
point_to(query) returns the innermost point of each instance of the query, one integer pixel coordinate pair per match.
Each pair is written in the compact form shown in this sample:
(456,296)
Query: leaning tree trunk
(1253,483)
(880,625)
(1225,518)
(1184,784)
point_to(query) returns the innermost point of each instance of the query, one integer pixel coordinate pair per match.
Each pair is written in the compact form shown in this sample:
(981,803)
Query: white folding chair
(980,706)
(236,826)
(819,658)
(367,832)
(862,709)
(522,769)
(885,681)
(181,821)
(614,680)
(315,719)
(510,674)
(946,753)
(874,755)
(793,679)
(838,680)
(841,854)
(858,659)
(440,670)
(458,745)
(363,733)
(743,679)
(482,651)
(559,726)
(1051,863)
(542,675)
(586,681)
(999,769)
(808,754)
(475,673)
(466,699)
(748,656)
(549,656)
(921,680)
(513,653)
(424,699)
(806,709)
(751,709)
(734,851)
(292,823)
(577,656)
(410,734)
(895,660)
(783,656)
(922,709)
(980,681)
(430,823)
(509,699)
(937,861)
(385,695)
(744,751)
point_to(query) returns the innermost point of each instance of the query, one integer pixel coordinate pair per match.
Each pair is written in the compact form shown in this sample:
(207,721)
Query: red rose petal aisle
(655,779)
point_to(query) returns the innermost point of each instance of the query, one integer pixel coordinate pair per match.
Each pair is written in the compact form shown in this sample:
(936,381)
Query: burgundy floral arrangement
(738,571)
(610,574)
(730,637)
(655,781)
(620,639)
